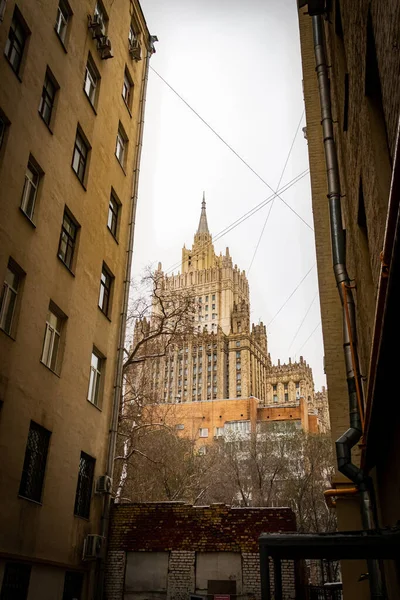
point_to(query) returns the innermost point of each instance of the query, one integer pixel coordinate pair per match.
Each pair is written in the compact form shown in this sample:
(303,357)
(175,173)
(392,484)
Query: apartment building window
(73,584)
(31,185)
(203,432)
(84,486)
(68,237)
(80,156)
(16,41)
(9,297)
(63,15)
(47,99)
(34,467)
(237,343)
(127,89)
(96,368)
(92,81)
(52,336)
(15,581)
(106,281)
(101,15)
(275,393)
(132,34)
(297,390)
(4,123)
(113,214)
(121,145)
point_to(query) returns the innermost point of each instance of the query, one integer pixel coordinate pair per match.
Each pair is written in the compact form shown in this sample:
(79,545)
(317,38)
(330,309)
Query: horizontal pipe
(332,493)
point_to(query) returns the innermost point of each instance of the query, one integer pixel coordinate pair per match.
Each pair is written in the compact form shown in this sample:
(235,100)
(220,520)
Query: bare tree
(159,318)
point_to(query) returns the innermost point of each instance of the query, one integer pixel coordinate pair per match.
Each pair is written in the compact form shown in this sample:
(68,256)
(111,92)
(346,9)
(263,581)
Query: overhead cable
(229,147)
(277,188)
(292,294)
(302,321)
(244,217)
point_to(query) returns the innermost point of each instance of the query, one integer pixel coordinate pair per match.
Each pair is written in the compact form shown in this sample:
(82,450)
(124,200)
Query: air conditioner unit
(104,46)
(135,50)
(93,547)
(103,485)
(96,25)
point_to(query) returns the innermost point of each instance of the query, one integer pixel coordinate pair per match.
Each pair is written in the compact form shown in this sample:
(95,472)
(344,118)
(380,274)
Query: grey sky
(238,65)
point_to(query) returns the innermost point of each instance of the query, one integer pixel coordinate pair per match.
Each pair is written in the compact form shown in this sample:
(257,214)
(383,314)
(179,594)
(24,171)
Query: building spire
(203,225)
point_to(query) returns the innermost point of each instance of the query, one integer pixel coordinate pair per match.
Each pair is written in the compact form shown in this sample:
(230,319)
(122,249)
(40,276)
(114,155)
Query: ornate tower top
(203,225)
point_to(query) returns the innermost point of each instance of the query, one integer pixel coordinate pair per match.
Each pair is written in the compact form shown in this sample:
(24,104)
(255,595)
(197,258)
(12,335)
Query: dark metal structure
(350,545)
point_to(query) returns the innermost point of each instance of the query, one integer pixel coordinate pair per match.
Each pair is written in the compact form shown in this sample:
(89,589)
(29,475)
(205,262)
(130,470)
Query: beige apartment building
(73,79)
(223,359)
(362,61)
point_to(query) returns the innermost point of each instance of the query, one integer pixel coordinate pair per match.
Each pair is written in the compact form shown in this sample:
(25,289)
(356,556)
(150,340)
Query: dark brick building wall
(183,531)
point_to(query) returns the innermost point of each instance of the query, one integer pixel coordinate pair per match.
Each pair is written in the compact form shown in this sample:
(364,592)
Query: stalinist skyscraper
(225,358)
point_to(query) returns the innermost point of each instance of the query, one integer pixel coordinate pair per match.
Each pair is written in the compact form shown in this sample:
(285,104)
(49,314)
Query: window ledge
(47,125)
(104,314)
(90,102)
(66,266)
(123,170)
(111,233)
(30,500)
(12,68)
(60,40)
(7,334)
(49,369)
(83,518)
(27,217)
(76,175)
(98,408)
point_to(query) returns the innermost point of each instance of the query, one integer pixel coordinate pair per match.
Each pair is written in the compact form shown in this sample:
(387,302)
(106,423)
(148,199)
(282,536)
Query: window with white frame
(106,281)
(63,15)
(127,89)
(203,432)
(180,426)
(9,297)
(132,34)
(120,147)
(96,368)
(100,15)
(52,337)
(202,450)
(29,194)
(92,80)
(238,426)
(219,431)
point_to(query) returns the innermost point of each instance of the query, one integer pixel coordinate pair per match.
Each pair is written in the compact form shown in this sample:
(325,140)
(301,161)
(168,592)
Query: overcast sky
(238,65)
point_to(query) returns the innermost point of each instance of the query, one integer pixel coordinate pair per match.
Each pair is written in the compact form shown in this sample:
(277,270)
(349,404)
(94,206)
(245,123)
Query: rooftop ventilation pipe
(350,438)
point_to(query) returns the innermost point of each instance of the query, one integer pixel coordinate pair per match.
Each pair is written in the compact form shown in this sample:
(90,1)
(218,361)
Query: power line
(302,321)
(311,334)
(229,146)
(277,188)
(294,291)
(244,217)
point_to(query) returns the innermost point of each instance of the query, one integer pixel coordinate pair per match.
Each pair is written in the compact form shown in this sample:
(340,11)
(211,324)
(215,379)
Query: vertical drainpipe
(118,381)
(351,437)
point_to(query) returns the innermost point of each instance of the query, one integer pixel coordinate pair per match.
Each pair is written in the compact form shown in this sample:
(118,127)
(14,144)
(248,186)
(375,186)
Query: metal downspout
(351,437)
(118,381)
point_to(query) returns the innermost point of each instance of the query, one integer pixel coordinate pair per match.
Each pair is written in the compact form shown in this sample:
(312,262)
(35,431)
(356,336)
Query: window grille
(34,462)
(15,581)
(84,486)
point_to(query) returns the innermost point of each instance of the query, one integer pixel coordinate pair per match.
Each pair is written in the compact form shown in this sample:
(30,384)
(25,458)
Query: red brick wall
(177,526)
